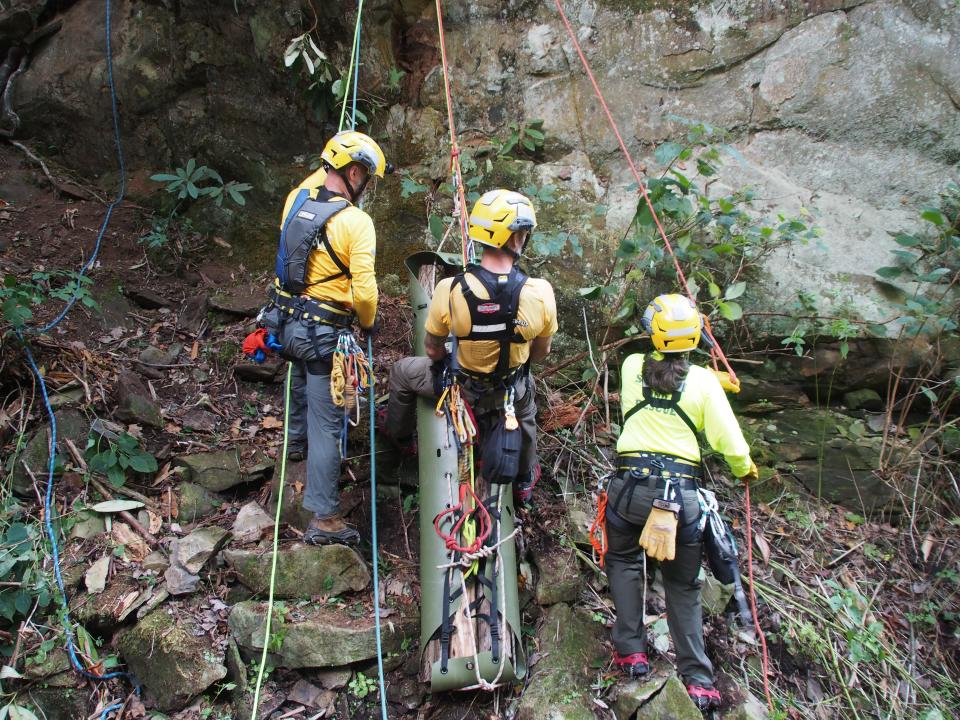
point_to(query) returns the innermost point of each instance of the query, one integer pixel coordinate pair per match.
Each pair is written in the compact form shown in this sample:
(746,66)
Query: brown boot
(330,531)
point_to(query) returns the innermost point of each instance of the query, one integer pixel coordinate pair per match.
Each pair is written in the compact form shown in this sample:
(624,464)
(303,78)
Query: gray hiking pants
(411,377)
(681,581)
(316,422)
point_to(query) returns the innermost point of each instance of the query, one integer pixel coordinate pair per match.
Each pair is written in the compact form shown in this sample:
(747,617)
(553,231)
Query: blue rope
(110,709)
(373,531)
(48,505)
(116,201)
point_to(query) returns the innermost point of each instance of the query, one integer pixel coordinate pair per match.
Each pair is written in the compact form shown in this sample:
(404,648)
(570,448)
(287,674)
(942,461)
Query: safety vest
(494,317)
(304,231)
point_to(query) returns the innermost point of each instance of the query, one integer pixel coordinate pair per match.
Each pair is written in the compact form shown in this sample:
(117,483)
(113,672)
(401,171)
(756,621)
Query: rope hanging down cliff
(715,350)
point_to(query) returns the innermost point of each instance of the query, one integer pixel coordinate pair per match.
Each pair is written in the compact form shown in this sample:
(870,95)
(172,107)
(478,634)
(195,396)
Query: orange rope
(716,349)
(455,169)
(598,529)
(753,598)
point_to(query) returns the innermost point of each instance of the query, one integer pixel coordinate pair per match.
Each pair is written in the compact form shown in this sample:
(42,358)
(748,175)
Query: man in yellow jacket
(502,321)
(652,503)
(325,282)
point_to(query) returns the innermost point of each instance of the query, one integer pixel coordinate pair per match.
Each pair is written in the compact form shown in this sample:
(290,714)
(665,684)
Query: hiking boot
(406,446)
(296,450)
(706,699)
(635,665)
(330,531)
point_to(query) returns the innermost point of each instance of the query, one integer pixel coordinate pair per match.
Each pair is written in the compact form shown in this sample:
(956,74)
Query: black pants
(681,581)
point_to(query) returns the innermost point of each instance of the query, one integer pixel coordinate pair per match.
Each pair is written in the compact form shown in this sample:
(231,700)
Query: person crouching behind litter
(325,282)
(502,321)
(652,502)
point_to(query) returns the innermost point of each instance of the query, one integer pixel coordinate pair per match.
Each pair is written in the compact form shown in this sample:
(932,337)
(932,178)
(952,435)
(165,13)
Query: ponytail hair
(664,373)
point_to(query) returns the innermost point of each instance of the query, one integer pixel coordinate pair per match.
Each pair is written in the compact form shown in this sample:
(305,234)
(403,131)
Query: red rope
(753,598)
(643,188)
(455,169)
(483,521)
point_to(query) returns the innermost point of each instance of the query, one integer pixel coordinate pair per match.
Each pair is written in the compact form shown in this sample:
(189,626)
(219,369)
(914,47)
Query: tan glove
(659,536)
(752,474)
(726,382)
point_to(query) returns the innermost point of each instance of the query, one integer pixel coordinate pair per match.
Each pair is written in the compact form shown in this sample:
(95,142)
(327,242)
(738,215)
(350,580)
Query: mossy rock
(214,471)
(303,571)
(196,502)
(559,687)
(71,425)
(172,662)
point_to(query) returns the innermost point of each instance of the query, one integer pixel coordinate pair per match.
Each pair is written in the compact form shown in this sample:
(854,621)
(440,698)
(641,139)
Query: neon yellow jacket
(702,399)
(353,238)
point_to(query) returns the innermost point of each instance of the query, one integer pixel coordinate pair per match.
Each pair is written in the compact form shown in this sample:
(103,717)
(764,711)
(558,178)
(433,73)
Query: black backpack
(304,230)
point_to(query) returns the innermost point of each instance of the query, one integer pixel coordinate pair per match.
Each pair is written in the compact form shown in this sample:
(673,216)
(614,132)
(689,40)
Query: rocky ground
(171,584)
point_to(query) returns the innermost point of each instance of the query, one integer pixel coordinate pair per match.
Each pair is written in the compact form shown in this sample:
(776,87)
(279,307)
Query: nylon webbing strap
(344,270)
(671,403)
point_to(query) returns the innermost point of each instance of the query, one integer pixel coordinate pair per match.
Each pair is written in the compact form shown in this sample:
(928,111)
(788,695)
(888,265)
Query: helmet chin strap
(355,193)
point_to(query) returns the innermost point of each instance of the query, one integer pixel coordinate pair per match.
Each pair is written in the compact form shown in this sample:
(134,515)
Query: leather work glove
(752,474)
(728,384)
(659,536)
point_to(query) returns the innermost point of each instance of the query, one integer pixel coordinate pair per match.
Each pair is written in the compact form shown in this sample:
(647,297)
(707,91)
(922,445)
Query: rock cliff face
(848,109)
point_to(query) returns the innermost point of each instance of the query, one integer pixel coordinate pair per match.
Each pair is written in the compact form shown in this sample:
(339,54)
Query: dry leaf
(195,350)
(926,547)
(172,428)
(763,546)
(135,545)
(156,522)
(96,576)
(271,423)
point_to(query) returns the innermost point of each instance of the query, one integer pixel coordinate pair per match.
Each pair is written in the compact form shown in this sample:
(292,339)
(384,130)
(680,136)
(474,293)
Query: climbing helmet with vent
(674,323)
(498,214)
(352,146)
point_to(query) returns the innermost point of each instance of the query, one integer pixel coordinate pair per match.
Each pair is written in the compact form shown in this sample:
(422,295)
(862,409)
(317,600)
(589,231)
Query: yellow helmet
(673,322)
(352,146)
(497,215)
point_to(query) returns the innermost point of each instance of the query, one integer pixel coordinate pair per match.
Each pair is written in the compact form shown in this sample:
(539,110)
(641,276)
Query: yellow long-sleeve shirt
(702,399)
(354,240)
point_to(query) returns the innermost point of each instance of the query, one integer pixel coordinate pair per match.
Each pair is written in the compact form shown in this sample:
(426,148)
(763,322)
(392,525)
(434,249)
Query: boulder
(200,420)
(195,550)
(134,402)
(217,471)
(57,692)
(865,399)
(250,524)
(750,709)
(270,370)
(659,696)
(714,594)
(295,482)
(195,502)
(558,577)
(559,684)
(146,299)
(303,571)
(152,355)
(173,658)
(193,313)
(70,425)
(314,635)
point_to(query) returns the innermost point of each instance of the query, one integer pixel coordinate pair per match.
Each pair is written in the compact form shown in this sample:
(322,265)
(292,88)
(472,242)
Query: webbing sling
(494,317)
(661,403)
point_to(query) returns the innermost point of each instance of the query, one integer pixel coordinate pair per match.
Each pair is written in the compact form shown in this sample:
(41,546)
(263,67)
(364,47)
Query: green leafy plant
(19,297)
(194,181)
(361,686)
(23,582)
(717,239)
(113,459)
(522,139)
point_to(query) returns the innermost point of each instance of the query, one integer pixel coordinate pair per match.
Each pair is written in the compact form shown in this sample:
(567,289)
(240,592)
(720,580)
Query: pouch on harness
(304,230)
